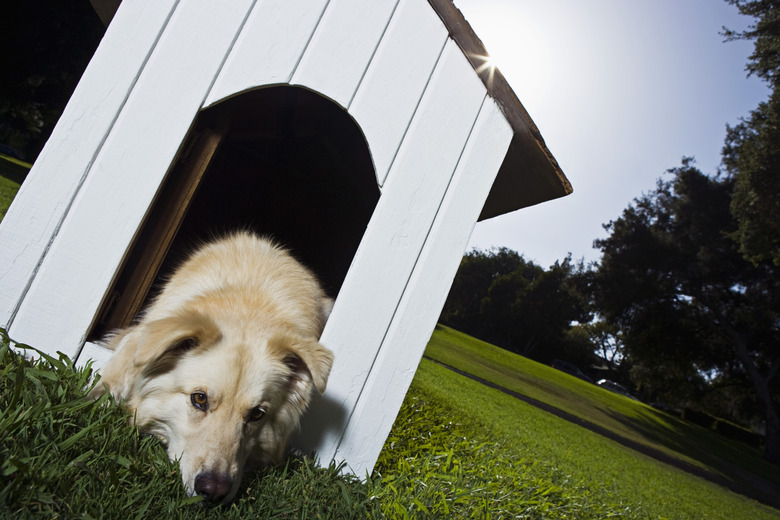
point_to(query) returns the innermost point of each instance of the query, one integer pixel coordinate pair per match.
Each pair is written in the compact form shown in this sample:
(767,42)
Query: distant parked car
(563,366)
(615,387)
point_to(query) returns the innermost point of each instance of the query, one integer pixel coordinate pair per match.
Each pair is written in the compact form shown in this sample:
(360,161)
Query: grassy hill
(660,488)
(629,422)
(458,449)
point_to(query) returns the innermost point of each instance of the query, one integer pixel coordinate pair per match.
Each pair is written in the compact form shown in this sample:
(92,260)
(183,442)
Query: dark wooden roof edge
(105,9)
(528,156)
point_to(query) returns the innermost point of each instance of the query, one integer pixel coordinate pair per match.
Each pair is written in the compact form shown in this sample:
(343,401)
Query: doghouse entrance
(282,161)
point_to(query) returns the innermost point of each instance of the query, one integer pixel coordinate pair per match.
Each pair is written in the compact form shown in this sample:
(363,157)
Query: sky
(621,91)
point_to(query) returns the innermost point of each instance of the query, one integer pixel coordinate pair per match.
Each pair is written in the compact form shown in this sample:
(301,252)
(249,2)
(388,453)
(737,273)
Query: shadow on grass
(739,467)
(677,438)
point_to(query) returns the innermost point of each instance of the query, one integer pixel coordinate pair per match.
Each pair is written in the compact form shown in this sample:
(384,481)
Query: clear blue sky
(621,90)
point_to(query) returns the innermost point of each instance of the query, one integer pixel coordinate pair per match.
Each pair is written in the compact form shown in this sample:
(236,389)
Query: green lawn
(741,465)
(598,478)
(458,449)
(8,189)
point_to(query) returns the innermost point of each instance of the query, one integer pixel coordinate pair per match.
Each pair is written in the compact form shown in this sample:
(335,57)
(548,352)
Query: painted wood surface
(421,303)
(437,141)
(396,234)
(269,47)
(126,174)
(396,78)
(342,46)
(45,197)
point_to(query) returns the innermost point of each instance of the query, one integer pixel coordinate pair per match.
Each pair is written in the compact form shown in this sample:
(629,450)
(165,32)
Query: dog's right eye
(200,401)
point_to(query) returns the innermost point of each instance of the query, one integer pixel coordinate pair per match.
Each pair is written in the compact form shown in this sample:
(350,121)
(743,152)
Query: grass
(742,465)
(599,478)
(457,450)
(65,457)
(8,189)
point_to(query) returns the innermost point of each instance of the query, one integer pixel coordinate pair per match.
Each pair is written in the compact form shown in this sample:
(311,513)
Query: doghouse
(369,137)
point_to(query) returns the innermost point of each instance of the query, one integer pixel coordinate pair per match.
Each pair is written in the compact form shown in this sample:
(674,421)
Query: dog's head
(218,397)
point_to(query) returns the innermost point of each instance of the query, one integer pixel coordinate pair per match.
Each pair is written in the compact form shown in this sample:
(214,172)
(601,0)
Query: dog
(223,363)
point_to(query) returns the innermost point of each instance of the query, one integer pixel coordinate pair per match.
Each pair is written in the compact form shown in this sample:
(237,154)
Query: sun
(515,45)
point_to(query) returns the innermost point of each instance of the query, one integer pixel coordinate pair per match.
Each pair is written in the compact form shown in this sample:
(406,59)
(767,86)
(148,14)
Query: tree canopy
(503,298)
(47,44)
(696,317)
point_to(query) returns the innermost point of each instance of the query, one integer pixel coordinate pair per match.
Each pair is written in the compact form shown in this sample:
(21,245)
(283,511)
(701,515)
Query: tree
(751,153)
(502,298)
(478,269)
(607,341)
(692,310)
(47,45)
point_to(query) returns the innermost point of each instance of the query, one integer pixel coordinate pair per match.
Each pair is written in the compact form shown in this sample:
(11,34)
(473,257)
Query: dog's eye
(200,401)
(255,414)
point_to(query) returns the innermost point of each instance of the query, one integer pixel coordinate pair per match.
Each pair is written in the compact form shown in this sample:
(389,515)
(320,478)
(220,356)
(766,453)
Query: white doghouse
(367,135)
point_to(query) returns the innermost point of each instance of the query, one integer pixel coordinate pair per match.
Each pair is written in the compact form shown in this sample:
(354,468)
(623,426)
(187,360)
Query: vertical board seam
(83,339)
(87,170)
(228,52)
(411,274)
(308,42)
(373,54)
(414,113)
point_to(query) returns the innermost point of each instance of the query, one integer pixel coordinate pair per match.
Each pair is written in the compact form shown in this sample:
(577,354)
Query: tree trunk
(772,450)
(761,386)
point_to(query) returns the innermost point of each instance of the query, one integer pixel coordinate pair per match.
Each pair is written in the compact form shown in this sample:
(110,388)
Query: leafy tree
(691,309)
(765,60)
(607,340)
(500,297)
(751,154)
(478,269)
(47,46)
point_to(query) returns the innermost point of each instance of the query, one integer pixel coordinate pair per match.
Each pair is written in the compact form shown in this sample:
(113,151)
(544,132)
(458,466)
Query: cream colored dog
(224,362)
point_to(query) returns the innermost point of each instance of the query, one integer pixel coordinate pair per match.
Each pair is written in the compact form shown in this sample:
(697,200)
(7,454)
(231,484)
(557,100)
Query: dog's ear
(150,349)
(309,362)
(162,342)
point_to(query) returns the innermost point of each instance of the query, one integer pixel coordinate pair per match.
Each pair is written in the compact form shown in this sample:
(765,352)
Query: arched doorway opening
(282,161)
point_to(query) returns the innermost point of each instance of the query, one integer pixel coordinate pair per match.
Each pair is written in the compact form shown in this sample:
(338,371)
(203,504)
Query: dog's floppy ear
(164,341)
(308,361)
(150,349)
(312,358)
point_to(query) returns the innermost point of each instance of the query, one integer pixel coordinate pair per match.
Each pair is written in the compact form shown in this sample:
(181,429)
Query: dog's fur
(224,362)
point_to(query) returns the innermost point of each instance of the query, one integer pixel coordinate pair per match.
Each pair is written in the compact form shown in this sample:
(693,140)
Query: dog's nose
(213,487)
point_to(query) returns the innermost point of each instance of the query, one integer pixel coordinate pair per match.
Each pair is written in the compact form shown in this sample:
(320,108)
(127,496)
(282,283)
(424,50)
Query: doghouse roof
(529,173)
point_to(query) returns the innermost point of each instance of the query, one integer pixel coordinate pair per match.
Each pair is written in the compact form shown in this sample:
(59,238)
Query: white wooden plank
(269,47)
(44,198)
(108,209)
(396,234)
(95,353)
(342,46)
(421,304)
(394,83)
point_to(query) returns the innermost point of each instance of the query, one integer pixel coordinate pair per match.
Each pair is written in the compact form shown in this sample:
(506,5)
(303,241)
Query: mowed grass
(457,450)
(8,190)
(736,462)
(593,471)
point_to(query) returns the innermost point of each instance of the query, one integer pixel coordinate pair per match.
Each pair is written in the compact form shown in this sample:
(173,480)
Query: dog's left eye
(200,401)
(255,414)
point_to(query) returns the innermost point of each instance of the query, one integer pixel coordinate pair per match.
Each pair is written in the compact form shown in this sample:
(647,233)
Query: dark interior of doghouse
(282,161)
